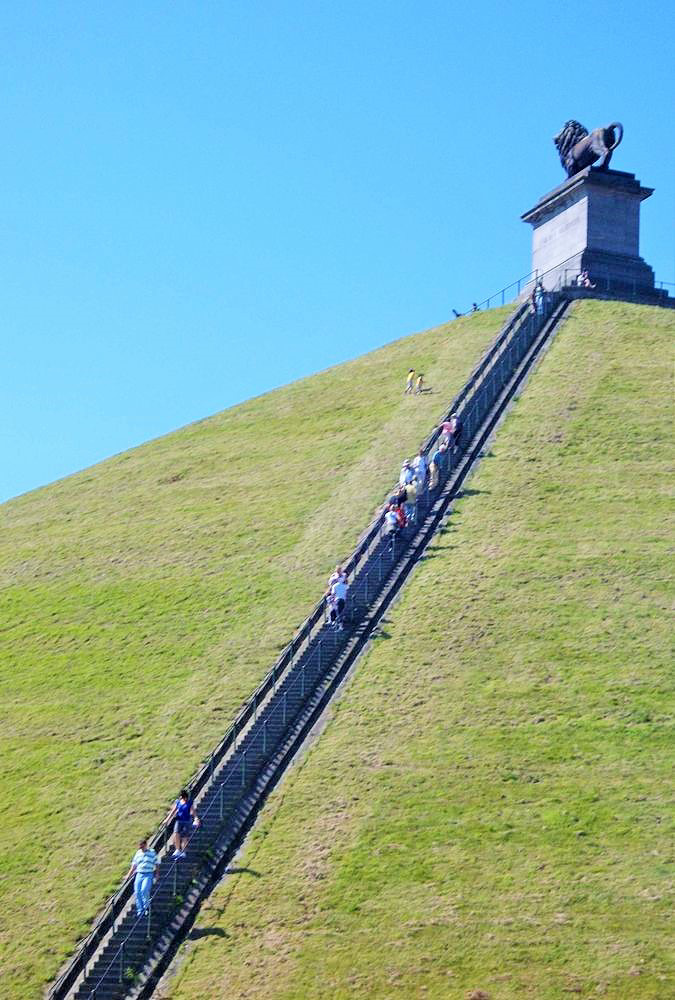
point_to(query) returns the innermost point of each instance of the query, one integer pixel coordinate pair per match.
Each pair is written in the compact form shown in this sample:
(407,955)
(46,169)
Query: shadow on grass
(436,551)
(243,871)
(382,634)
(468,492)
(202,932)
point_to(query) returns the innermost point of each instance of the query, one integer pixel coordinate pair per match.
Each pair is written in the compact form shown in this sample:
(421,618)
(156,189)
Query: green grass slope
(487,810)
(143,599)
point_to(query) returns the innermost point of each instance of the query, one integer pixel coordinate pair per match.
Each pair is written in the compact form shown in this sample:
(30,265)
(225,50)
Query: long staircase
(124,954)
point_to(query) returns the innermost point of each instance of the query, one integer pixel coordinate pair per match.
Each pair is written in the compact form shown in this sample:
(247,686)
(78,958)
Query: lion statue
(578,148)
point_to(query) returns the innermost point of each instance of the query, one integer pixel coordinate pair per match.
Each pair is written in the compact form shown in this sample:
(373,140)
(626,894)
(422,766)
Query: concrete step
(108,990)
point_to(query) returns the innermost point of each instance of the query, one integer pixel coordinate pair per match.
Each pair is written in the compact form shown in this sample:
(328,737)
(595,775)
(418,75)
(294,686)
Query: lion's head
(567,138)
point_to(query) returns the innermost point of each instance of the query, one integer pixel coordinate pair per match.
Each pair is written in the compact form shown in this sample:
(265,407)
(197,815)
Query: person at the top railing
(538,297)
(474,307)
(584,280)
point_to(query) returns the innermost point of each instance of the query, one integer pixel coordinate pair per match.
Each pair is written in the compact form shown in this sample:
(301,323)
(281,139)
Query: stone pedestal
(591,222)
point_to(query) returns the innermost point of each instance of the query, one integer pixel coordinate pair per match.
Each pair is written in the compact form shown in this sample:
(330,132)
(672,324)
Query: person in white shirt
(391,521)
(336,599)
(337,575)
(421,468)
(407,474)
(339,592)
(143,865)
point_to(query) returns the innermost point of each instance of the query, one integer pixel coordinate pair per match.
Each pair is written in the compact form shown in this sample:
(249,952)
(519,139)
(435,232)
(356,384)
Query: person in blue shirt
(143,866)
(185,816)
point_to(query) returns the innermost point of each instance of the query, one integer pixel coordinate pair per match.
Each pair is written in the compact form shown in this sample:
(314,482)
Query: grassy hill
(488,808)
(142,600)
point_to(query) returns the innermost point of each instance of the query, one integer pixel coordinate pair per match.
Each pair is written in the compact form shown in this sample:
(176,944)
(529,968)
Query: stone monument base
(591,223)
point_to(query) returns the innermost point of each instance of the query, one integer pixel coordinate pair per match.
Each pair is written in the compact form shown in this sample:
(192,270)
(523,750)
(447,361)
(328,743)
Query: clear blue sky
(201,201)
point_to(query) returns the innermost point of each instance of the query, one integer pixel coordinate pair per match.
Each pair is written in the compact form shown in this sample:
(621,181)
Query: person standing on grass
(419,387)
(143,865)
(185,816)
(409,382)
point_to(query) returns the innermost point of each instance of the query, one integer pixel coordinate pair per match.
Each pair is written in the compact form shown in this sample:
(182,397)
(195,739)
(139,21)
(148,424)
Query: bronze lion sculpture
(578,148)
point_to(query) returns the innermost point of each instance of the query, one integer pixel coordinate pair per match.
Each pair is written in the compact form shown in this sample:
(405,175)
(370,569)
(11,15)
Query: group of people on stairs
(145,862)
(417,476)
(336,598)
(420,475)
